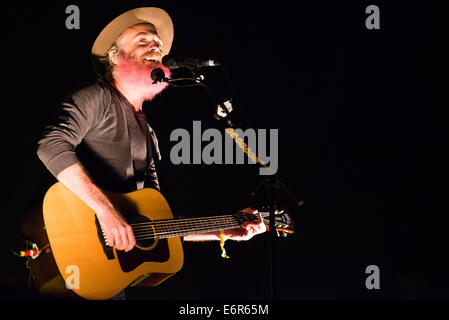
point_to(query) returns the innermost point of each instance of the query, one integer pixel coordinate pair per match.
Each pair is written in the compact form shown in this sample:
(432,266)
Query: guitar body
(87,265)
(76,262)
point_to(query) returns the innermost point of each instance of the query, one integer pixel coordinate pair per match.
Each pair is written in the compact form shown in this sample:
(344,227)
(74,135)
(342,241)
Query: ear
(113,56)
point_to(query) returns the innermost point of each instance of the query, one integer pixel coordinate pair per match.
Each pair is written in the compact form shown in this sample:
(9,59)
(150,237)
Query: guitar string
(263,214)
(188,224)
(209,225)
(178,226)
(161,228)
(213,226)
(186,219)
(187,228)
(182,220)
(162,234)
(182,227)
(168,228)
(174,234)
(187,231)
(174,222)
(171,233)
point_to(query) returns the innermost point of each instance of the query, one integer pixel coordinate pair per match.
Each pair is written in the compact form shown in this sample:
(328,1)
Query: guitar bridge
(108,251)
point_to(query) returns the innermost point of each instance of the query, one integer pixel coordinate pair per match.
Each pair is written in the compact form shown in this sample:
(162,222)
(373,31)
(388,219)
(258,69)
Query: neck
(173,228)
(135,99)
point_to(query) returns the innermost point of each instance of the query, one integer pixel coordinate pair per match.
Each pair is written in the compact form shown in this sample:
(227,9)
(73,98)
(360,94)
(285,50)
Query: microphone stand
(272,184)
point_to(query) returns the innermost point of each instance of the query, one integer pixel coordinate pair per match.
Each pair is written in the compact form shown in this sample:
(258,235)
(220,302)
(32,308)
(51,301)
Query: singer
(101,139)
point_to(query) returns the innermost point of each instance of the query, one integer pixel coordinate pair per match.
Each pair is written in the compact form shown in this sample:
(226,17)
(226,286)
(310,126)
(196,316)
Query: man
(100,139)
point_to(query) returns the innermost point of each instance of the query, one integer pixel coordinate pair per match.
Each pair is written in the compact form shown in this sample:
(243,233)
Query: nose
(156,46)
(156,49)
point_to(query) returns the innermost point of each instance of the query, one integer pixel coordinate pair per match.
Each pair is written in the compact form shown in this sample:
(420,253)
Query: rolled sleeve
(56,163)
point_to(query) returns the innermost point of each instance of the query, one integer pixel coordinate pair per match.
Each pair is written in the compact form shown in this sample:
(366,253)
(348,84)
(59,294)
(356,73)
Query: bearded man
(101,140)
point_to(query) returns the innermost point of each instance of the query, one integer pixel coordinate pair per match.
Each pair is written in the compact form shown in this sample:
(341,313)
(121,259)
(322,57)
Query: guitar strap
(153,157)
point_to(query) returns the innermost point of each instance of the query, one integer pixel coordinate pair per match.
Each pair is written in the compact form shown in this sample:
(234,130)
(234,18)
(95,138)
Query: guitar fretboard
(180,227)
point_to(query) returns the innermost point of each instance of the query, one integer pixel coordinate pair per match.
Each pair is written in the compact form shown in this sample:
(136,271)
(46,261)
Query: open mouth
(151,60)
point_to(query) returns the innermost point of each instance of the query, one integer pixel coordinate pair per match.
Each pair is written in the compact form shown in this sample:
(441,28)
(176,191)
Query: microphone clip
(158,75)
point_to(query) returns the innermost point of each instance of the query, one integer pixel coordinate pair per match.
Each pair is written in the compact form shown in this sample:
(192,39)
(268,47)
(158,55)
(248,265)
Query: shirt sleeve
(56,147)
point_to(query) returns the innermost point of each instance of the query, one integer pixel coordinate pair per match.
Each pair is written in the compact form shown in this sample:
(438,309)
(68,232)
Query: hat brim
(156,16)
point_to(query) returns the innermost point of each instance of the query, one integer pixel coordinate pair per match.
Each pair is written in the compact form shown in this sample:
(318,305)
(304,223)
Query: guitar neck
(163,229)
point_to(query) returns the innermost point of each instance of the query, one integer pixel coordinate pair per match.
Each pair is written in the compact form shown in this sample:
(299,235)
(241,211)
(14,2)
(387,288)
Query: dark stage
(360,141)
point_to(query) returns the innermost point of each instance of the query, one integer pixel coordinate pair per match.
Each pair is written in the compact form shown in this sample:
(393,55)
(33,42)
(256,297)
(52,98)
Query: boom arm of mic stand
(273,183)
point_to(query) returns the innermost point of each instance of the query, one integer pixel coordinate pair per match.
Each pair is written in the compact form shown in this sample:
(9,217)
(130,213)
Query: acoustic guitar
(77,262)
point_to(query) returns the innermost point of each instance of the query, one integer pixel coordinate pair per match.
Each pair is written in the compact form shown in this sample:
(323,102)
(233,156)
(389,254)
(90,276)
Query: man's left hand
(247,230)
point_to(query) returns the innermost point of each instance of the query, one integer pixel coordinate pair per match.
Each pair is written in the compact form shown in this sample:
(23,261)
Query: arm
(246,231)
(118,231)
(56,149)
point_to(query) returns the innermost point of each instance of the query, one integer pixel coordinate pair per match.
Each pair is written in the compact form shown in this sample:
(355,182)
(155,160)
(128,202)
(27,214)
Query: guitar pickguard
(134,258)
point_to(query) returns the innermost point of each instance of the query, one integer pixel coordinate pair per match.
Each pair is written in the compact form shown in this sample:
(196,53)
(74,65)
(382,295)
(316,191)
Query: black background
(359,139)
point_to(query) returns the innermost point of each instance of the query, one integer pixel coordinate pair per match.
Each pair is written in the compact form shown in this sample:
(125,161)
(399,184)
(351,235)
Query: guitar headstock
(283,222)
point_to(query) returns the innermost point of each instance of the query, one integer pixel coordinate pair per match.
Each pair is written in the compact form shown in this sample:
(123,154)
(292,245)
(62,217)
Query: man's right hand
(119,233)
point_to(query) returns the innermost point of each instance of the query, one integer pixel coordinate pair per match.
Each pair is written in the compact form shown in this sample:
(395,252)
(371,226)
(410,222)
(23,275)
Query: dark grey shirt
(99,128)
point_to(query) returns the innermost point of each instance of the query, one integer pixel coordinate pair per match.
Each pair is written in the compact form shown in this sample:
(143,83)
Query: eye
(142,41)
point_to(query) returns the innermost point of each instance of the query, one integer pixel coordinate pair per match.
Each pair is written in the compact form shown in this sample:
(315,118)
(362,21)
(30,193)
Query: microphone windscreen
(157,75)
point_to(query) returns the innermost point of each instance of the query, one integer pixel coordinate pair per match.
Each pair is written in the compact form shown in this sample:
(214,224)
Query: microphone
(158,75)
(181,62)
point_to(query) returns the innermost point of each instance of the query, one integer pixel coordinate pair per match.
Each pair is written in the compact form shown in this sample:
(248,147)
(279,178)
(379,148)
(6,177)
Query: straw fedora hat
(156,16)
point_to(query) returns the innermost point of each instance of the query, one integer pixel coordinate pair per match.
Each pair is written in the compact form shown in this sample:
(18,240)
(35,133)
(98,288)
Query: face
(140,52)
(142,44)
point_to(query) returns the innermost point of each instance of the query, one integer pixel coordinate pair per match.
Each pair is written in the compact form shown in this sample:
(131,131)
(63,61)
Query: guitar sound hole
(142,231)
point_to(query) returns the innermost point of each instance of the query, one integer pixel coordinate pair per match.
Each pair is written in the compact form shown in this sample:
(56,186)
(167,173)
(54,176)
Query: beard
(136,75)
